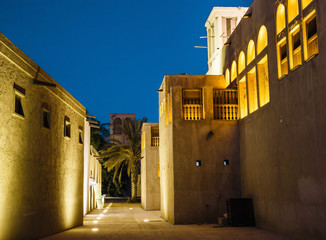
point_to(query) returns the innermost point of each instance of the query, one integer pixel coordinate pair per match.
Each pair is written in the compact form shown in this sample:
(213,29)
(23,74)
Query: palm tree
(122,155)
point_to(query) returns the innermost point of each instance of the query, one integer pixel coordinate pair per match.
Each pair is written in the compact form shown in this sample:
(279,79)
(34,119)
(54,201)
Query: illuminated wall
(195,183)
(150,181)
(42,170)
(282,135)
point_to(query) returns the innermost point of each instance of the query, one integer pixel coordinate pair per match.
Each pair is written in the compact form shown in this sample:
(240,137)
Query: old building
(199,148)
(275,56)
(41,150)
(116,121)
(150,167)
(256,131)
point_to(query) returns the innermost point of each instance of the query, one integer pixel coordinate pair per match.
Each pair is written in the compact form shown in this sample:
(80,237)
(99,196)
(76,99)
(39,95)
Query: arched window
(293,9)
(227,76)
(310,37)
(305,3)
(250,51)
(262,68)
(282,55)
(280,18)
(241,62)
(262,40)
(233,71)
(117,126)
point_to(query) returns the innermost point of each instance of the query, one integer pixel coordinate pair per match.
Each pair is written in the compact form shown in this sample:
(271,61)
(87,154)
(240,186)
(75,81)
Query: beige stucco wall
(150,182)
(191,194)
(42,171)
(282,144)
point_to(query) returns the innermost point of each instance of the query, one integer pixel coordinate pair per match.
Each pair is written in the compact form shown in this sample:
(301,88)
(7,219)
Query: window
(262,40)
(252,90)
(243,97)
(250,52)
(67,127)
(228,27)
(227,76)
(295,47)
(263,81)
(155,138)
(80,135)
(310,37)
(280,18)
(293,9)
(282,60)
(305,3)
(117,124)
(46,118)
(192,104)
(19,96)
(262,67)
(241,62)
(233,71)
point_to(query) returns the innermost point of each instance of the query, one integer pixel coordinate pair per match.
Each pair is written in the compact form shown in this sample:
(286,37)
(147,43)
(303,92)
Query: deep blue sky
(112,55)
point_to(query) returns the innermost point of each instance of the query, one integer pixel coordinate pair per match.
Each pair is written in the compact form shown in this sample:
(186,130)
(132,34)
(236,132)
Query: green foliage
(99,137)
(121,156)
(115,188)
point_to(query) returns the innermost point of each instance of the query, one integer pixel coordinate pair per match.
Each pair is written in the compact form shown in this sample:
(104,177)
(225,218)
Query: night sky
(112,55)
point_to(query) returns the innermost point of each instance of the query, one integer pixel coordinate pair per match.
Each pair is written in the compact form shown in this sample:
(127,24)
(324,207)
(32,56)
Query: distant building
(150,167)
(41,150)
(116,121)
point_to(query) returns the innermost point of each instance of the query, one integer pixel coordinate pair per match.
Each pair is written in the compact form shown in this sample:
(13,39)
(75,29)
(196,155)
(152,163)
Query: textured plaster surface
(150,188)
(191,194)
(42,171)
(283,143)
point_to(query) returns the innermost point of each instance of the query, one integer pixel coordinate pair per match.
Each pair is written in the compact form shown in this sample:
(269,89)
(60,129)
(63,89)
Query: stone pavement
(131,222)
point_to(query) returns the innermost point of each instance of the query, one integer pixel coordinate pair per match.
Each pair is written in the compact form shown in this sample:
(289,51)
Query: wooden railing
(192,111)
(225,104)
(155,141)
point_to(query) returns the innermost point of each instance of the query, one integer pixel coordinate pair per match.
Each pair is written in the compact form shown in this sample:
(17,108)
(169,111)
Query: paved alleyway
(129,221)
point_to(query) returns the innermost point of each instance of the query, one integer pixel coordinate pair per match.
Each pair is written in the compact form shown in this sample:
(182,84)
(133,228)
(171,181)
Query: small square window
(226,162)
(19,96)
(80,135)
(46,119)
(18,105)
(67,127)
(198,163)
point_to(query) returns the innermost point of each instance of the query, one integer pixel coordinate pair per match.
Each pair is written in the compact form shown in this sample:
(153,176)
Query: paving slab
(130,221)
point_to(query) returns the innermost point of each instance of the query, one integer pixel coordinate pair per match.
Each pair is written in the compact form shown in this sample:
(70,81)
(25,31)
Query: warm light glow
(95,221)
(105,211)
(233,71)
(98,218)
(305,3)
(101,215)
(94,229)
(262,39)
(241,62)
(146,220)
(250,51)
(263,81)
(252,90)
(293,9)
(310,37)
(130,208)
(280,18)
(243,98)
(227,76)
(295,47)
(282,60)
